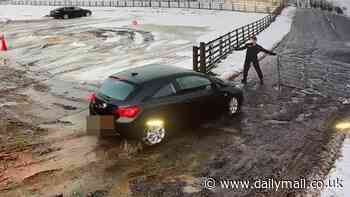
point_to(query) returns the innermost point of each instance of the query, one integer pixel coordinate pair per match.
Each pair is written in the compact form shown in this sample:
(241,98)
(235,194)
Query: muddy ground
(280,134)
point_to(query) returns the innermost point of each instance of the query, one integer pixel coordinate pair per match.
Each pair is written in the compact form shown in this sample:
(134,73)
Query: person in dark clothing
(252,57)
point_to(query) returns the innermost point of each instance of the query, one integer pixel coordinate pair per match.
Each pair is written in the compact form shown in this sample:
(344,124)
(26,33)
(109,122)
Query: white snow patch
(78,44)
(342,4)
(113,39)
(180,42)
(24,12)
(8,104)
(340,172)
(138,38)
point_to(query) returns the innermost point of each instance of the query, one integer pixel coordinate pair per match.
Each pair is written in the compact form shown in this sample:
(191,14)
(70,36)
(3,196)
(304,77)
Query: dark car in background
(148,102)
(69,12)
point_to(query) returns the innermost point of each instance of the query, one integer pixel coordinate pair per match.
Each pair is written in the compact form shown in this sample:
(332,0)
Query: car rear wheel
(153,134)
(66,16)
(234,106)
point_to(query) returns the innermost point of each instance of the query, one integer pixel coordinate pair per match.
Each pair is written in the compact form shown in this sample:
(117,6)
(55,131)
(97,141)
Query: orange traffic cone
(4,46)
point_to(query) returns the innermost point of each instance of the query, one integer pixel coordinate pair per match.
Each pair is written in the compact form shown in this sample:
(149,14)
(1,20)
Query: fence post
(150,3)
(202,57)
(237,38)
(221,47)
(210,54)
(168,3)
(248,30)
(195,58)
(243,34)
(230,42)
(178,3)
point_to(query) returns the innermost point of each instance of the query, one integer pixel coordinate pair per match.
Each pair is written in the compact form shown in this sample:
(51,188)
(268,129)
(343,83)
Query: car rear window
(116,89)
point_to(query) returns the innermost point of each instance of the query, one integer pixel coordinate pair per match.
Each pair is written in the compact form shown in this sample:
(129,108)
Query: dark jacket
(252,51)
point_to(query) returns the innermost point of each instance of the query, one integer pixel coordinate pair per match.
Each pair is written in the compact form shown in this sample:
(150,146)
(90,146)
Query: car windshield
(116,89)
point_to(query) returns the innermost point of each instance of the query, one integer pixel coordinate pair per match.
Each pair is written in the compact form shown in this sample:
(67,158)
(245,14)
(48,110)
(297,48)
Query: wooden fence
(193,4)
(207,55)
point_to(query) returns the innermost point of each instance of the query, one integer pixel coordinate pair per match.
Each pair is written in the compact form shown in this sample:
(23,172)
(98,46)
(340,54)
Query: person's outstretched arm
(266,51)
(241,48)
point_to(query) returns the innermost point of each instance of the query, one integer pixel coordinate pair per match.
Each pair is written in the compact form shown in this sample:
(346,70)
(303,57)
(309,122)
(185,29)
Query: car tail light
(128,112)
(92,97)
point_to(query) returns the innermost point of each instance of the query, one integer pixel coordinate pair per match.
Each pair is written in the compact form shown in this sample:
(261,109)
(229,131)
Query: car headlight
(153,123)
(343,126)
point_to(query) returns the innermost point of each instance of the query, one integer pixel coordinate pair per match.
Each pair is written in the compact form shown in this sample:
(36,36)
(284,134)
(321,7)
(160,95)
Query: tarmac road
(280,134)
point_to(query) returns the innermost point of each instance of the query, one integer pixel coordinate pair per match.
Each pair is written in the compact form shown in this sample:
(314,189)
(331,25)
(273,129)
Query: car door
(221,97)
(198,93)
(165,104)
(71,12)
(78,12)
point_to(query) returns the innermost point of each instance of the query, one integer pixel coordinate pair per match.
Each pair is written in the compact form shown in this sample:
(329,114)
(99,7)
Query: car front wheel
(154,134)
(66,16)
(234,106)
(87,14)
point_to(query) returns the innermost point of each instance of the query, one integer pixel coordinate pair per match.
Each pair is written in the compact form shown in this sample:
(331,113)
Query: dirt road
(280,134)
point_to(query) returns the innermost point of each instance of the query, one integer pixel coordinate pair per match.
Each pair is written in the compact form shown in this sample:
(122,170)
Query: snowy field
(90,49)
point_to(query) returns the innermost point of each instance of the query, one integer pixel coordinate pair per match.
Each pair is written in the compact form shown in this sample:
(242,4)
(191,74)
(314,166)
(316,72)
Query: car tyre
(234,106)
(66,16)
(153,135)
(87,14)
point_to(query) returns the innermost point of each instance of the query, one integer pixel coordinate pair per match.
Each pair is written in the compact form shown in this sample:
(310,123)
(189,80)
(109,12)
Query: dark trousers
(247,64)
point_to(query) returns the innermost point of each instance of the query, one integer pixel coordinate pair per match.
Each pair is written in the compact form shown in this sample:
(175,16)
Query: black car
(148,102)
(69,12)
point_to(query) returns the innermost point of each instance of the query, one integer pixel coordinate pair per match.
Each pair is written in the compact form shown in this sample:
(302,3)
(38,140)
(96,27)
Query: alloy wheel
(233,106)
(153,135)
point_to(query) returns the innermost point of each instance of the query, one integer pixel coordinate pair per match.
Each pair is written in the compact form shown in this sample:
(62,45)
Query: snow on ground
(343,3)
(220,22)
(267,39)
(161,36)
(340,172)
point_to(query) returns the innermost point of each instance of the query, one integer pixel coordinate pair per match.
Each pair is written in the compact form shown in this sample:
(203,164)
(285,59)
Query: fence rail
(207,55)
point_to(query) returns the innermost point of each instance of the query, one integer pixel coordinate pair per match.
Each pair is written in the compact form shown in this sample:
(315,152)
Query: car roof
(140,75)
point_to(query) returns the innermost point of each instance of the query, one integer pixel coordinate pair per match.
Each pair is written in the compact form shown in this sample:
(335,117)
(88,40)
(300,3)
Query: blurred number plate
(95,125)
